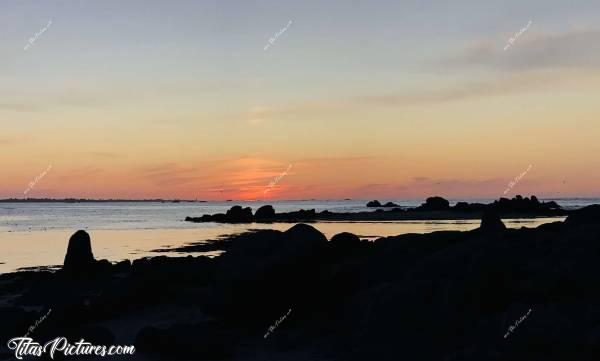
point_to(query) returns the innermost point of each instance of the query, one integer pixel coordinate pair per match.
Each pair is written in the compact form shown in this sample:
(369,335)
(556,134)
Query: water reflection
(46,248)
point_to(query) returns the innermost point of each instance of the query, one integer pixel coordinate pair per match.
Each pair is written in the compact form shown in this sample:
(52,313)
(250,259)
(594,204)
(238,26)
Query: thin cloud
(104,155)
(80,174)
(7,140)
(532,51)
(15,139)
(20,107)
(515,83)
(172,174)
(422,186)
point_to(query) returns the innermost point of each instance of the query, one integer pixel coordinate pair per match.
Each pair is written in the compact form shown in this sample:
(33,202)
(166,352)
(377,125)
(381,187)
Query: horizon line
(72,200)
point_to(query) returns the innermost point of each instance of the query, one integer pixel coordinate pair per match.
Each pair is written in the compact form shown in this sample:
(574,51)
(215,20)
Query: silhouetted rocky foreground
(441,296)
(434,208)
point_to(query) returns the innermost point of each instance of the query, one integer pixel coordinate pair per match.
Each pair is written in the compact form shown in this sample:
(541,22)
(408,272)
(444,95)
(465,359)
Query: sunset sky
(358,99)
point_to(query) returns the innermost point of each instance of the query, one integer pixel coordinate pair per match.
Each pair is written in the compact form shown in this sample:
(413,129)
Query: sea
(36,235)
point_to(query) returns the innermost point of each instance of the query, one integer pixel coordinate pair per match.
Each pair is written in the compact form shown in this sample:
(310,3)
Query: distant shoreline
(73,200)
(83,200)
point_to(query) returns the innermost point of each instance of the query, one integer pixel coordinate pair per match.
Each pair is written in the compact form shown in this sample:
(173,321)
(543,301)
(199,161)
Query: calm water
(36,234)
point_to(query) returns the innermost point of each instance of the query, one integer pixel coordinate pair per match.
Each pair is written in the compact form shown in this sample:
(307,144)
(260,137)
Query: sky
(307,99)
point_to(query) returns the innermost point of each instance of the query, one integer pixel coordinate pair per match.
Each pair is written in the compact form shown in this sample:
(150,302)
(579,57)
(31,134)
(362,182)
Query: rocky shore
(441,296)
(434,208)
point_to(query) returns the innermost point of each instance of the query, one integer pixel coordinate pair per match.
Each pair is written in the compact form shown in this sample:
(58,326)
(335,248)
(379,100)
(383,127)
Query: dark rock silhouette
(524,205)
(345,238)
(268,269)
(264,212)
(343,242)
(237,214)
(79,255)
(305,233)
(433,208)
(123,266)
(374,203)
(469,207)
(435,204)
(586,215)
(515,206)
(491,222)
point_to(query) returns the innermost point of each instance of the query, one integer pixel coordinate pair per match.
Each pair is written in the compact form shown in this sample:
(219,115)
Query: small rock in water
(374,203)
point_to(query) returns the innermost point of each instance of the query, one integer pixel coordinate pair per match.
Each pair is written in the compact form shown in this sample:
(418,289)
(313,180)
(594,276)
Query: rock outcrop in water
(376,203)
(433,208)
(520,204)
(264,213)
(238,214)
(434,204)
(441,296)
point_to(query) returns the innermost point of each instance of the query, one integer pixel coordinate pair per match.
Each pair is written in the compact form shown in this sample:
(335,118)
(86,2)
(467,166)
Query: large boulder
(253,253)
(491,222)
(345,239)
(264,212)
(343,242)
(79,255)
(260,262)
(305,233)
(237,214)
(435,204)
